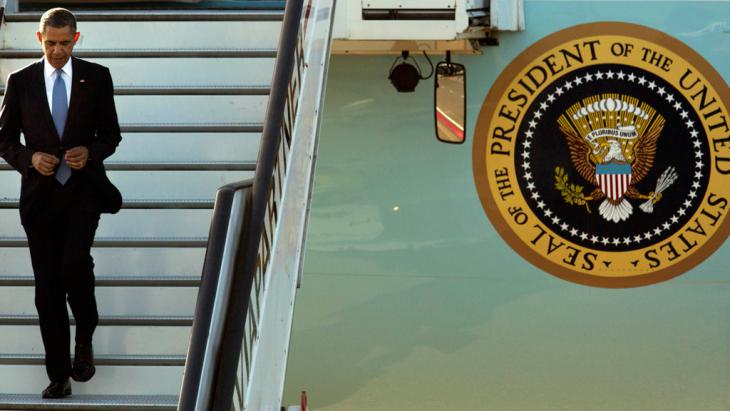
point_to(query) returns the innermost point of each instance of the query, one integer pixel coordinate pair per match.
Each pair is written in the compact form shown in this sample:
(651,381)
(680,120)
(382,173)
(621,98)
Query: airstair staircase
(191,90)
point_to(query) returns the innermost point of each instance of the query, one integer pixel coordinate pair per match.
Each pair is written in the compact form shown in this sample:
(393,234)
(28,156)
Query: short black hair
(57,18)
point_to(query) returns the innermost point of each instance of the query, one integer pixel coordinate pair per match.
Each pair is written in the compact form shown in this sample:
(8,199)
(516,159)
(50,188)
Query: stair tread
(149,53)
(170,165)
(157,15)
(123,241)
(192,90)
(101,359)
(182,203)
(86,402)
(163,200)
(186,89)
(192,128)
(126,238)
(190,87)
(141,200)
(116,280)
(121,49)
(119,320)
(189,124)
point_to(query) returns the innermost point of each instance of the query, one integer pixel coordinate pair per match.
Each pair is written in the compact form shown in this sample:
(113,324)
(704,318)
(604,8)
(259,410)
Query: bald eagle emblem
(612,140)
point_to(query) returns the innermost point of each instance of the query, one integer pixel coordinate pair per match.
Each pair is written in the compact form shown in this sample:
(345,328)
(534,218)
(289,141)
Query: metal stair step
(182,90)
(89,402)
(157,15)
(107,320)
(188,204)
(115,281)
(128,242)
(148,53)
(192,127)
(102,359)
(170,165)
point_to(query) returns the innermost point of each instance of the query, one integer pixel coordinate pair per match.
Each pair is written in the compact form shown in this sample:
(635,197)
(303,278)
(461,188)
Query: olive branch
(572,193)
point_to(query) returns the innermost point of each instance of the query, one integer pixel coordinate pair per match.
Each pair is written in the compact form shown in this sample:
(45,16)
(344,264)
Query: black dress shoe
(58,389)
(83,368)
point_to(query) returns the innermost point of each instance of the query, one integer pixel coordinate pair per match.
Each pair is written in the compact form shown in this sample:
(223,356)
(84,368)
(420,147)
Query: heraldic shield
(612,140)
(614,179)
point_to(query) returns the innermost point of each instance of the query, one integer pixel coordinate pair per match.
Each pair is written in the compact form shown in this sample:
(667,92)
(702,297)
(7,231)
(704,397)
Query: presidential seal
(602,155)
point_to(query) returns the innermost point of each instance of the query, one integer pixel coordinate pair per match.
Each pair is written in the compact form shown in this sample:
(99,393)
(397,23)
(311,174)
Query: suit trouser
(60,239)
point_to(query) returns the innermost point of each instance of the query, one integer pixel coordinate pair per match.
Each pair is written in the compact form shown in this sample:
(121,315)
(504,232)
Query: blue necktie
(59,112)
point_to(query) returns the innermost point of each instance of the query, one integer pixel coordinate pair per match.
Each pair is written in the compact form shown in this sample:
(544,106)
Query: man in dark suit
(65,109)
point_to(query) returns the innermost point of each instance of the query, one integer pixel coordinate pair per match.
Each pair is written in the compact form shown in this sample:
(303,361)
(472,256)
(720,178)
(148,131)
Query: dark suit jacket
(91,122)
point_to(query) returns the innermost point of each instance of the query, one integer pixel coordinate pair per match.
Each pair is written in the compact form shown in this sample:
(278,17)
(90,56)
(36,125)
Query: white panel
(171,184)
(155,35)
(132,223)
(136,380)
(119,261)
(144,185)
(178,110)
(162,223)
(408,4)
(403,29)
(188,71)
(187,146)
(234,147)
(351,26)
(114,300)
(26,339)
(148,261)
(191,109)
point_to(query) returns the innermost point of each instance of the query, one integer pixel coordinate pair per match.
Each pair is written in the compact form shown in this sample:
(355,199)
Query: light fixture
(405,76)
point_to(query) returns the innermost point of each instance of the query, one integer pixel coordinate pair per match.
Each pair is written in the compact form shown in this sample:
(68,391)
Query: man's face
(57,44)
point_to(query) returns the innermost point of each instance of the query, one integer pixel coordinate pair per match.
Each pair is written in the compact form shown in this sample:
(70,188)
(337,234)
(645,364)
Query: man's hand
(77,157)
(44,163)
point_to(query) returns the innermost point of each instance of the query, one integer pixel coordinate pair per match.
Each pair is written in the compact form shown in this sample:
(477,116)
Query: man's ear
(76,36)
(40,36)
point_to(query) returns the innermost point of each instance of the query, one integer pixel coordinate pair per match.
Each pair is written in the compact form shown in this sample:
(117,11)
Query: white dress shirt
(49,72)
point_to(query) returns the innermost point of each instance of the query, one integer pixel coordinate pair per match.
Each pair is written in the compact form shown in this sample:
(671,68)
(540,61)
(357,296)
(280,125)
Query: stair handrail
(239,245)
